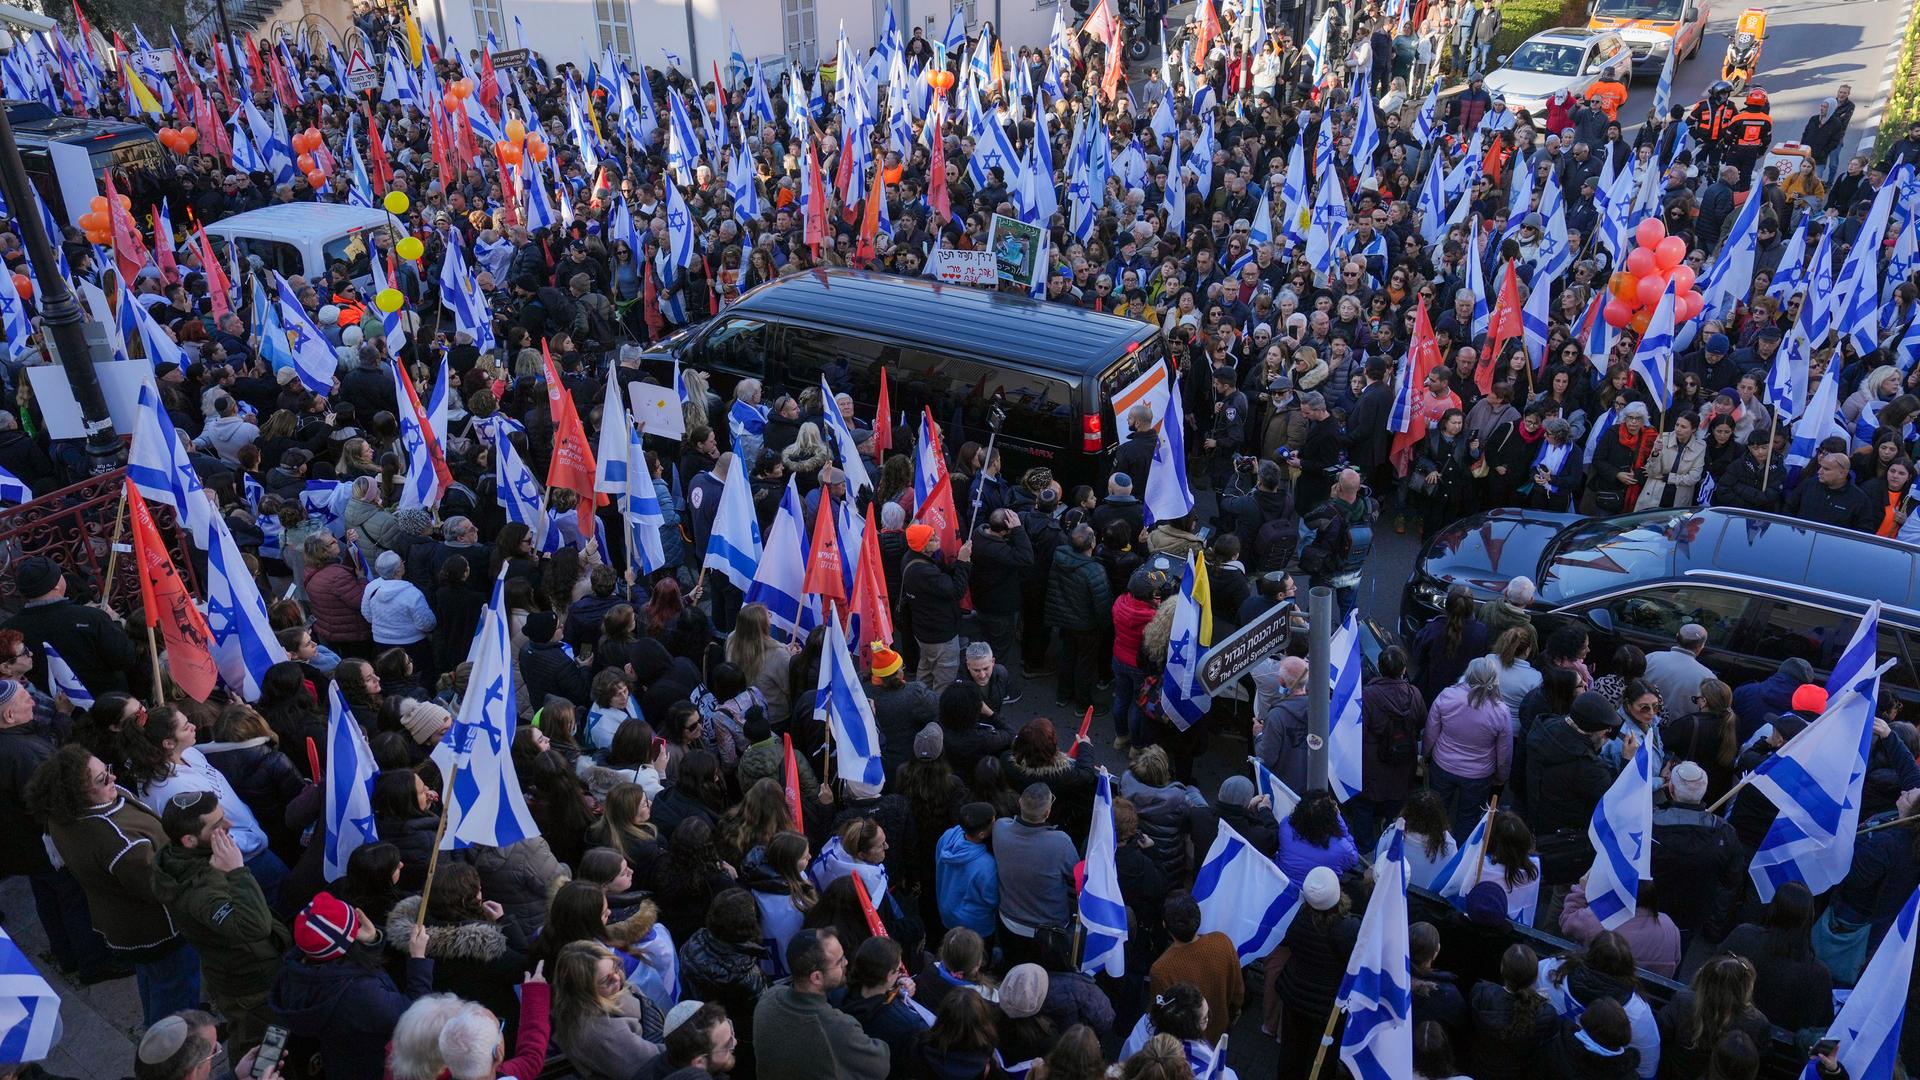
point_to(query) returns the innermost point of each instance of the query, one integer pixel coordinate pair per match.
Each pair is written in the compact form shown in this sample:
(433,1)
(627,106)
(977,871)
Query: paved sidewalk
(99,1025)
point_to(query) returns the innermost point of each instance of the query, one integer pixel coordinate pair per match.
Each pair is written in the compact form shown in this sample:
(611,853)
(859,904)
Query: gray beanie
(1023,991)
(1236,791)
(930,743)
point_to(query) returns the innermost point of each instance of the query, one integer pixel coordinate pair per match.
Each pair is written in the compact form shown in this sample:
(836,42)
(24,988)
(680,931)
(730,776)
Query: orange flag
(816,215)
(1423,355)
(129,251)
(218,287)
(866,907)
(870,603)
(937,198)
(1502,326)
(169,607)
(572,466)
(790,770)
(882,420)
(863,252)
(824,575)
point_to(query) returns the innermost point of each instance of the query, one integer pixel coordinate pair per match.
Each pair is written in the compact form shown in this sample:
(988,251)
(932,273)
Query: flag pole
(1480,868)
(1773,424)
(153,654)
(113,546)
(433,860)
(1319,1057)
(1864,830)
(1731,792)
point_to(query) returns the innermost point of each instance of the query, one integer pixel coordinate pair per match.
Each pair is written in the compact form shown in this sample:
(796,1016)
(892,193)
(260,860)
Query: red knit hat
(1810,698)
(325,929)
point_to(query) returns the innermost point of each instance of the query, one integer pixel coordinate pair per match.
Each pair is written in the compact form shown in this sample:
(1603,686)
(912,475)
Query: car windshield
(1546,58)
(1605,553)
(1638,9)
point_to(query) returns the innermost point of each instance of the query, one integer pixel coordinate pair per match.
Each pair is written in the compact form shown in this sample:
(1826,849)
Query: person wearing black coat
(1317,945)
(1135,454)
(967,732)
(1791,984)
(548,668)
(1511,1021)
(402,817)
(1002,557)
(1443,469)
(1593,1048)
(264,777)
(87,638)
(1393,714)
(475,954)
(1368,440)
(1565,776)
(1832,498)
(1754,480)
(930,592)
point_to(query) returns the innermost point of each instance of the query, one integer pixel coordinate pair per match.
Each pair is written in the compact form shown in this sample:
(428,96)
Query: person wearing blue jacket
(333,991)
(966,882)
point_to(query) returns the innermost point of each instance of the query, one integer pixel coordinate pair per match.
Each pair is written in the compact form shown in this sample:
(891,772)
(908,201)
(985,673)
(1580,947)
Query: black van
(142,168)
(955,349)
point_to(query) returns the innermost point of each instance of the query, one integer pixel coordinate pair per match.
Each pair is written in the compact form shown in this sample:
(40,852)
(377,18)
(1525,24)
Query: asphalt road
(1811,48)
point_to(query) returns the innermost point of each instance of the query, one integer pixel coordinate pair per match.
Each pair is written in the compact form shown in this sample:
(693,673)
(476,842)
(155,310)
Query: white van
(306,238)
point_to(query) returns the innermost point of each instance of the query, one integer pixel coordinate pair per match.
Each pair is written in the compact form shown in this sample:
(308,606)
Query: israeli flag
(62,680)
(645,516)
(1377,992)
(1281,797)
(1535,316)
(683,143)
(244,644)
(1424,124)
(1622,836)
(743,189)
(483,804)
(422,489)
(13,319)
(844,708)
(1329,221)
(1653,357)
(1869,1024)
(1181,694)
(161,471)
(313,358)
(521,493)
(733,548)
(1243,895)
(29,1007)
(1820,420)
(1791,276)
(778,582)
(13,489)
(1346,733)
(1731,277)
(1168,494)
(1457,877)
(842,435)
(1816,778)
(349,782)
(1787,376)
(1103,912)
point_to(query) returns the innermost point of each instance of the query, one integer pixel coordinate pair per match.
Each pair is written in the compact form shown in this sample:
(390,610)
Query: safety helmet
(1756,98)
(1720,89)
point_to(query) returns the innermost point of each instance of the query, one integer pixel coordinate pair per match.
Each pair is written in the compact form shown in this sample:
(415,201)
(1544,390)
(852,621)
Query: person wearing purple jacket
(1469,743)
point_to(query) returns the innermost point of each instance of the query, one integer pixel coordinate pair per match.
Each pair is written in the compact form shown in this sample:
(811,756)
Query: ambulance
(1653,28)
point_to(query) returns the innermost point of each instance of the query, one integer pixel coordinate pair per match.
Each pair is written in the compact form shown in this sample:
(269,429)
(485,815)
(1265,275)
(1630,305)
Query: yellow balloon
(389,300)
(410,248)
(396,202)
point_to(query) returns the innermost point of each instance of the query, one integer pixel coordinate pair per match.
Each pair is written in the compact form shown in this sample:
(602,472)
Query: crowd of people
(692,905)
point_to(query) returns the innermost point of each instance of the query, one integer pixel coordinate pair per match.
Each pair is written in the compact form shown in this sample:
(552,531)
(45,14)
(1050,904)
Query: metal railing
(75,527)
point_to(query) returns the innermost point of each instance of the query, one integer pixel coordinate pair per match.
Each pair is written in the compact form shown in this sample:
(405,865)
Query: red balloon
(1639,262)
(1649,290)
(1683,277)
(304,163)
(1617,313)
(1691,305)
(316,179)
(1650,232)
(23,285)
(1670,253)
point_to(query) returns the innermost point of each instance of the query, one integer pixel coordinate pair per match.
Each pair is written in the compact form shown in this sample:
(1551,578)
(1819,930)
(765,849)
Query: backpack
(1327,550)
(1273,544)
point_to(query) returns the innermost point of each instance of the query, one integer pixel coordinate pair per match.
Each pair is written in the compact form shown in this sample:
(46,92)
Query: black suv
(1767,588)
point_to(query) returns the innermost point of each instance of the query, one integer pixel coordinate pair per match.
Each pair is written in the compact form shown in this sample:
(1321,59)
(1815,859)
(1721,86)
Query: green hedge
(1904,106)
(1521,19)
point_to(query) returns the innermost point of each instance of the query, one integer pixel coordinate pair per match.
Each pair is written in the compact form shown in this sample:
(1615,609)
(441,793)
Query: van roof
(1756,546)
(964,319)
(299,221)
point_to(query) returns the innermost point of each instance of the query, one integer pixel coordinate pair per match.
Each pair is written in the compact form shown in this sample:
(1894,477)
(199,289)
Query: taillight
(1090,434)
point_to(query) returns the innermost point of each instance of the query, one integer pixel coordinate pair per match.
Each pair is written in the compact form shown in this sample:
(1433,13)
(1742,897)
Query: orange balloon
(100,236)
(516,130)
(188,136)
(92,221)
(941,80)
(1640,320)
(538,149)
(23,285)
(464,87)
(304,163)
(1622,285)
(316,179)
(450,101)
(126,203)
(509,153)
(98,203)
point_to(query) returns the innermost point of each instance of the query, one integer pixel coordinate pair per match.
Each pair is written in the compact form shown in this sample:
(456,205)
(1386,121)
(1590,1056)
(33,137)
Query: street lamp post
(59,311)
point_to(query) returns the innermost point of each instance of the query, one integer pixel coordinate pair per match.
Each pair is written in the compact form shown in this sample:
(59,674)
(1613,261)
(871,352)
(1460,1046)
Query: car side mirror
(1602,619)
(1502,59)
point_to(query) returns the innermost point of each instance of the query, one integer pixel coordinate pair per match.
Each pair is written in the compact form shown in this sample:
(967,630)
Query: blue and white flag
(1281,799)
(422,488)
(1175,199)
(844,446)
(29,1007)
(13,489)
(349,782)
(683,144)
(14,323)
(1346,734)
(1243,895)
(1821,419)
(1181,694)
(1535,317)
(1791,276)
(1622,835)
(483,804)
(1869,1024)
(1329,221)
(244,645)
(313,358)
(1458,875)
(1787,376)
(1816,778)
(844,709)
(645,516)
(162,472)
(520,493)
(1103,912)
(1168,496)
(1653,357)
(1377,992)
(779,579)
(733,547)
(611,475)
(62,680)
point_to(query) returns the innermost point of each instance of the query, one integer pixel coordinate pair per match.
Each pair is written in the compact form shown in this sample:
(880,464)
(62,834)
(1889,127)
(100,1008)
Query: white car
(1547,63)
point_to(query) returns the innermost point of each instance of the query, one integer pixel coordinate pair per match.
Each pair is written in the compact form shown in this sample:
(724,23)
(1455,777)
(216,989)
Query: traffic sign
(360,75)
(510,59)
(1233,655)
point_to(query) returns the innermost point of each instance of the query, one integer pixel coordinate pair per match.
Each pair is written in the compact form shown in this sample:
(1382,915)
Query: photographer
(1264,518)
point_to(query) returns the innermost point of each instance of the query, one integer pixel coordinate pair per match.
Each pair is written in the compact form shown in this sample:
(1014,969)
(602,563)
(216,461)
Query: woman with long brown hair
(1708,735)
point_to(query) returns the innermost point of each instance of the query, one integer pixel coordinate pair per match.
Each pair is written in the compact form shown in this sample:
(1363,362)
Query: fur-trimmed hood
(802,458)
(478,941)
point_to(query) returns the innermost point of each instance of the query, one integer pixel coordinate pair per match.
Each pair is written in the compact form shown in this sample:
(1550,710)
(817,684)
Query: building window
(972,16)
(803,33)
(615,20)
(489,17)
